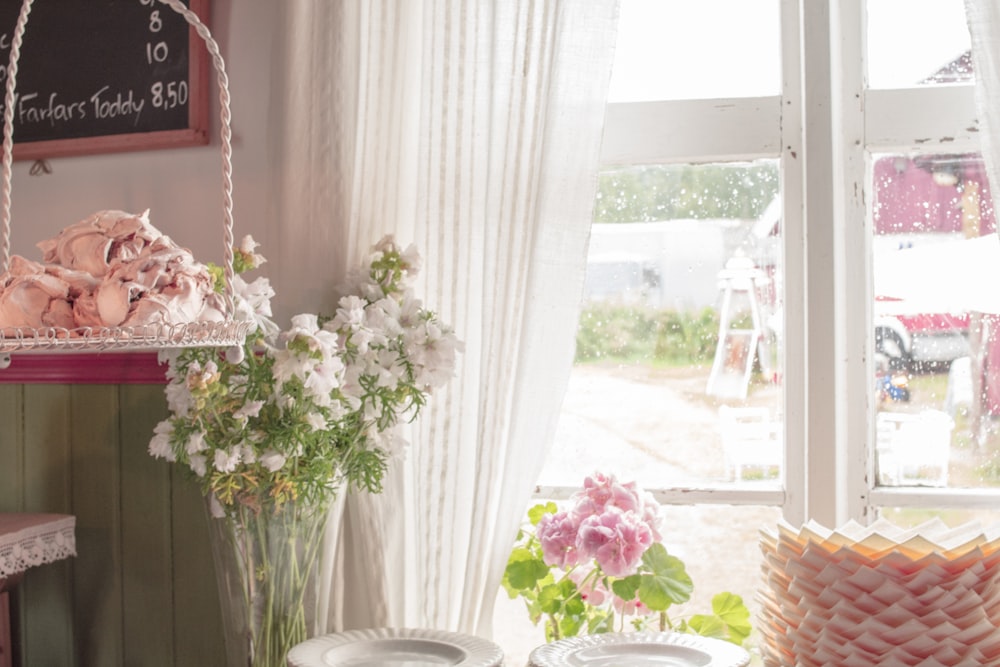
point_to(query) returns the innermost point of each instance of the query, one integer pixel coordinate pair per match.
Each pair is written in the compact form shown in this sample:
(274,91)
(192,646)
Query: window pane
(678,255)
(682,50)
(917,42)
(936,267)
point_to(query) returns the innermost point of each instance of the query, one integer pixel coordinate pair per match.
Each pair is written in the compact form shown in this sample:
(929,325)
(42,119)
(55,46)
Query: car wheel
(888,343)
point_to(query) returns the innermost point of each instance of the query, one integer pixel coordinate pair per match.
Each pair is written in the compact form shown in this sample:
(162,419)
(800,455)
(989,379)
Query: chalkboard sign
(100,76)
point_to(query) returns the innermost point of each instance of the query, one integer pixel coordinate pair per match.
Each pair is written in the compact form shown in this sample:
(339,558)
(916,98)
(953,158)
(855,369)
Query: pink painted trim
(84,368)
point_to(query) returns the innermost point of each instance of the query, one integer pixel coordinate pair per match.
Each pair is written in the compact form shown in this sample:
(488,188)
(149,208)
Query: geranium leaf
(601,622)
(708,626)
(520,554)
(538,511)
(626,588)
(567,587)
(569,626)
(665,582)
(731,610)
(575,606)
(525,573)
(550,599)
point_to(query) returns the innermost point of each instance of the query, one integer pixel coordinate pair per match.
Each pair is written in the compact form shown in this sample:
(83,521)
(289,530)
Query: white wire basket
(228,332)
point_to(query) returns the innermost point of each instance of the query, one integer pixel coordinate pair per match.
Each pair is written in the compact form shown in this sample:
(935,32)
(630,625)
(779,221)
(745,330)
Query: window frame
(825,166)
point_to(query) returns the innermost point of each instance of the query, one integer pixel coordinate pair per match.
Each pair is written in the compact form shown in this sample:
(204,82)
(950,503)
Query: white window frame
(823,129)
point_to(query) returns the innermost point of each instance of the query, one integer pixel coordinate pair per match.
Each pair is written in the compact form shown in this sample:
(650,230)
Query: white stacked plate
(639,649)
(880,595)
(395,647)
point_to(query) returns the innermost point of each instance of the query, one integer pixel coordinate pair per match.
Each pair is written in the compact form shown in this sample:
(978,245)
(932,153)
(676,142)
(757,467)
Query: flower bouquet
(590,568)
(273,435)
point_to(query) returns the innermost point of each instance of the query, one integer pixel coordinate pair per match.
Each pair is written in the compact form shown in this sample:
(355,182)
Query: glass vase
(266,569)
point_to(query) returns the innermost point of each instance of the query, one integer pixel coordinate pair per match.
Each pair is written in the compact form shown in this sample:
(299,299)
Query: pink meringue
(111,269)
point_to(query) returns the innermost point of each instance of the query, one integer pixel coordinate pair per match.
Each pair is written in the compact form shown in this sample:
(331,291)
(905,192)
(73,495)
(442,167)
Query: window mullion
(660,132)
(822,467)
(853,270)
(793,262)
(925,118)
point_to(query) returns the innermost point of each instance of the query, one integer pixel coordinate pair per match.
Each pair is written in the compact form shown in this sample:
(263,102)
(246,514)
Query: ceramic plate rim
(480,652)
(722,653)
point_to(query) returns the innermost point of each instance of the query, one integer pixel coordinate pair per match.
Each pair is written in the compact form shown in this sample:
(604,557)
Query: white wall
(182,187)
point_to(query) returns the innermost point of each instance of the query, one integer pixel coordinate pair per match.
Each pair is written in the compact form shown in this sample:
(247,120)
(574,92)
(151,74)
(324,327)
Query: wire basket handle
(225,134)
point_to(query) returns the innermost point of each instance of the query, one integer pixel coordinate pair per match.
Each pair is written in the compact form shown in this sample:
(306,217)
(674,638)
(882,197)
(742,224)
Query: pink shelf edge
(84,368)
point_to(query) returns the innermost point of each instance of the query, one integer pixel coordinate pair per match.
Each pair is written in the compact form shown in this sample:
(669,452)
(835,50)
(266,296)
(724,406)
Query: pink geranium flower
(631,607)
(615,539)
(557,533)
(601,491)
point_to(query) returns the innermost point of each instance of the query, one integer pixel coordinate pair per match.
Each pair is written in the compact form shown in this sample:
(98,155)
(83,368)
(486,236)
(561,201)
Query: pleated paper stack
(880,595)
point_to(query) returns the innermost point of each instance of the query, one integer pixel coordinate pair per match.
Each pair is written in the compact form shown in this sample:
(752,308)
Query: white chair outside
(959,392)
(749,439)
(913,449)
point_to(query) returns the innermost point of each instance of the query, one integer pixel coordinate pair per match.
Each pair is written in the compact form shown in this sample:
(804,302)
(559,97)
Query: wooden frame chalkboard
(103,76)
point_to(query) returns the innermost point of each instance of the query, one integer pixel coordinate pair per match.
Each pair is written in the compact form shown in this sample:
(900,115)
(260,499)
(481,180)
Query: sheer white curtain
(471,127)
(984,27)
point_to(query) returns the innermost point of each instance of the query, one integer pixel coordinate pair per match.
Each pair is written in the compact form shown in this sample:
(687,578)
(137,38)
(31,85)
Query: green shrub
(637,333)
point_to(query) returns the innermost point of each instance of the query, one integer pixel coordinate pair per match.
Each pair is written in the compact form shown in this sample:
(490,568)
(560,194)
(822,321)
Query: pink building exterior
(910,197)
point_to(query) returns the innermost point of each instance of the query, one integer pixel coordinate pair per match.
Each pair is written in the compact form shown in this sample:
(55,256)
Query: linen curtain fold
(983,17)
(472,128)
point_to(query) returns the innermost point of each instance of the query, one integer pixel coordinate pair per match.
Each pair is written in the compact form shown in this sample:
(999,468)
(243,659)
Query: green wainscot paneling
(141,591)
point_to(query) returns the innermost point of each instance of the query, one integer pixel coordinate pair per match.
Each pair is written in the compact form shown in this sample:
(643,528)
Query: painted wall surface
(141,590)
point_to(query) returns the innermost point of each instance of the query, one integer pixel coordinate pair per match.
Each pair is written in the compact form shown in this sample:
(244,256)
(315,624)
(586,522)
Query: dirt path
(655,426)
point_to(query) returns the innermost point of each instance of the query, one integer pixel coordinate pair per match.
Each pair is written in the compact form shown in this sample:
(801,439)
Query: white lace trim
(49,539)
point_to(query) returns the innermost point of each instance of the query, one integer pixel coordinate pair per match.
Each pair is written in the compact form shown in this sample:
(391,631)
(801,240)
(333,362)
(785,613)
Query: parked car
(936,338)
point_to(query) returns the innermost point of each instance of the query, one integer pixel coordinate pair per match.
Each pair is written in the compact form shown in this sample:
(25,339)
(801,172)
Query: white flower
(362,340)
(179,398)
(288,365)
(371,291)
(304,323)
(336,410)
(226,461)
(272,460)
(350,314)
(383,316)
(247,247)
(247,453)
(388,369)
(249,409)
(198,464)
(323,378)
(200,379)
(410,310)
(412,260)
(351,388)
(215,508)
(159,445)
(433,351)
(316,421)
(253,303)
(196,443)
(385,245)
